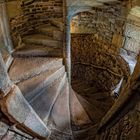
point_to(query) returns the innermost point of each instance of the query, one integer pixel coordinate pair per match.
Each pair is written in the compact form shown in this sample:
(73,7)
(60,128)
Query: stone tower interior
(69,69)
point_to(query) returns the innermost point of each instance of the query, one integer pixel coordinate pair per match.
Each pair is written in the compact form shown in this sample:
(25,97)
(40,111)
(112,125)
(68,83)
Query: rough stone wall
(32,14)
(96,64)
(132,33)
(127,128)
(107,24)
(97,37)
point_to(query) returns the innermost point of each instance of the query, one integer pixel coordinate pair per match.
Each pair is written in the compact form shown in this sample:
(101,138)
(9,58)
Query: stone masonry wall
(95,64)
(128,127)
(106,23)
(125,125)
(33,14)
(97,37)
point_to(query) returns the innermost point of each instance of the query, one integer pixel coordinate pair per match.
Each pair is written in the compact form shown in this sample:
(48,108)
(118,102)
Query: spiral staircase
(38,72)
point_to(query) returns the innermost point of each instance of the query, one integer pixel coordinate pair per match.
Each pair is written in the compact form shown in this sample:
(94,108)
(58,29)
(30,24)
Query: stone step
(25,68)
(17,109)
(96,109)
(39,39)
(45,99)
(79,116)
(32,87)
(58,22)
(94,113)
(51,31)
(59,118)
(38,51)
(82,123)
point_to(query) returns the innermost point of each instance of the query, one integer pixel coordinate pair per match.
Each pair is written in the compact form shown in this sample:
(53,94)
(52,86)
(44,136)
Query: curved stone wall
(26,15)
(96,64)
(97,38)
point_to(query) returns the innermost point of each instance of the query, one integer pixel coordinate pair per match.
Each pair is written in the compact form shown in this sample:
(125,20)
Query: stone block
(34,123)
(18,110)
(132,45)
(15,106)
(5,82)
(132,31)
(9,136)
(18,137)
(3,129)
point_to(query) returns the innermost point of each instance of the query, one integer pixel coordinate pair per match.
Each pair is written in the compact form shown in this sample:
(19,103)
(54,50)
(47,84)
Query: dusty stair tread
(39,39)
(79,116)
(45,100)
(103,104)
(17,109)
(81,127)
(94,113)
(24,68)
(59,118)
(38,51)
(31,87)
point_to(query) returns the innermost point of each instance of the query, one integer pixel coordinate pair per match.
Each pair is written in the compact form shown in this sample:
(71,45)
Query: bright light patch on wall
(135,11)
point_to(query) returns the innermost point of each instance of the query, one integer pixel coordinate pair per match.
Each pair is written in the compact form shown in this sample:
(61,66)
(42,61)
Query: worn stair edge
(9,62)
(90,110)
(5,82)
(46,110)
(32,86)
(59,118)
(39,39)
(79,115)
(17,109)
(51,31)
(24,75)
(58,91)
(48,80)
(37,52)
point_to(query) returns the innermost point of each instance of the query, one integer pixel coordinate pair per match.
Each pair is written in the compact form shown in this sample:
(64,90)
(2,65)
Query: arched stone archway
(73,8)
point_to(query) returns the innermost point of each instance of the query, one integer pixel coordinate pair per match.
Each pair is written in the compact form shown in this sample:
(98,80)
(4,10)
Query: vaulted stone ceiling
(76,6)
(87,2)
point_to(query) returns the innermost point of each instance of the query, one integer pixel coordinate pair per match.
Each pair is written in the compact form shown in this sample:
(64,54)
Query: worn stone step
(102,102)
(39,39)
(32,87)
(79,116)
(96,109)
(59,118)
(25,68)
(51,31)
(44,101)
(58,22)
(17,109)
(38,51)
